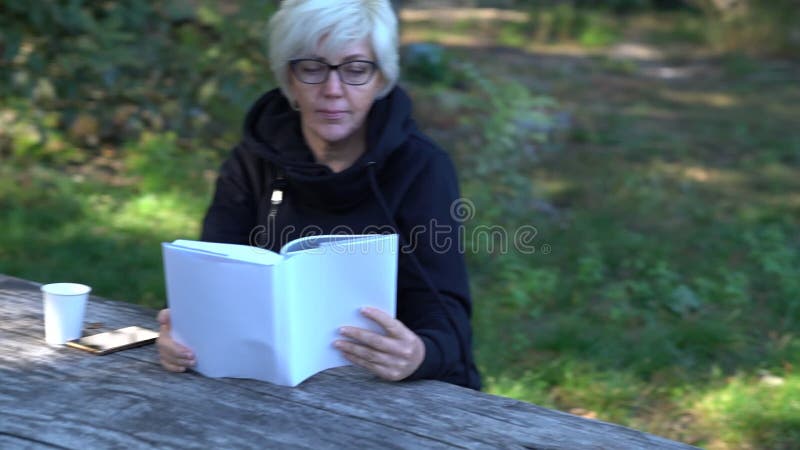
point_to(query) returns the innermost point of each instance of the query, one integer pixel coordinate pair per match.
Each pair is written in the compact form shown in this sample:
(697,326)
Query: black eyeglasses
(314,71)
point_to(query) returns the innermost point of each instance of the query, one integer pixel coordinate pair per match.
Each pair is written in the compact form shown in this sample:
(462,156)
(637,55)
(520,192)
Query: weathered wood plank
(77,400)
(338,407)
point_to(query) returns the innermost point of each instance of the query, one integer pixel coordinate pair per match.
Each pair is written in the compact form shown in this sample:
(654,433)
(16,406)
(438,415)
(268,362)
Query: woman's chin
(334,134)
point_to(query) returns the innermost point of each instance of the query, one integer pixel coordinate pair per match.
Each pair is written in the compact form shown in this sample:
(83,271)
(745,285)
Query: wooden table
(59,397)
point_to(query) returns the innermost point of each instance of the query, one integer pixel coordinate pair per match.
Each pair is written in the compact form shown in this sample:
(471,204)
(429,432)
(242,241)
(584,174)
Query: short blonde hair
(299,26)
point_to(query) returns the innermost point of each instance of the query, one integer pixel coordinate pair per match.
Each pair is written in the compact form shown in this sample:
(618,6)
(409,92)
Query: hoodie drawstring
(462,341)
(277,186)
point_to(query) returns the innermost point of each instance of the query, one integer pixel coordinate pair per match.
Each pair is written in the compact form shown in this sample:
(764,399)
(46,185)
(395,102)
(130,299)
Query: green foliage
(777,256)
(686,28)
(561,23)
(513,35)
(739,65)
(512,127)
(598,35)
(617,6)
(88,91)
(755,26)
(163,165)
(427,63)
(106,71)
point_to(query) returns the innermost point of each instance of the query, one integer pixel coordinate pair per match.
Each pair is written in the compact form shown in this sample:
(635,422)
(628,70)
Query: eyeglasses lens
(315,72)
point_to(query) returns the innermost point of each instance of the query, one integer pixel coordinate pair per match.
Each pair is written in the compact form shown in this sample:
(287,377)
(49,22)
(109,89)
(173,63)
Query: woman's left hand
(392,357)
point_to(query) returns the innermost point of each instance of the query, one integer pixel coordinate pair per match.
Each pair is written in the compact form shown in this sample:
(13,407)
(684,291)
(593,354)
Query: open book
(247,312)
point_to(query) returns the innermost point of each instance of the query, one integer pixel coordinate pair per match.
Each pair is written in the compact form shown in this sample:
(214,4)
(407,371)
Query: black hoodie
(403,182)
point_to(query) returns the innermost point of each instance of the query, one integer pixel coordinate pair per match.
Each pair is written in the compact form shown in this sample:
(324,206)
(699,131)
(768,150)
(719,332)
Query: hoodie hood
(273,132)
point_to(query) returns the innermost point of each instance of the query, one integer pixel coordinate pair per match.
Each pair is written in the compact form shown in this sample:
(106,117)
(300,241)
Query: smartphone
(112,341)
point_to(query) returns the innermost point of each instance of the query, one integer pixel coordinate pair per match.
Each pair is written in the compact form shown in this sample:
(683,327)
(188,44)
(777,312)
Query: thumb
(163,318)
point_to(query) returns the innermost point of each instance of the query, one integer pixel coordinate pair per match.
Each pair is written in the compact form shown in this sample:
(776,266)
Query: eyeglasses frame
(331,67)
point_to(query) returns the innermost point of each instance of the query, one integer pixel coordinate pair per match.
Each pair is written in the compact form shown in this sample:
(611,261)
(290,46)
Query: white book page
(327,287)
(245,253)
(223,310)
(315,242)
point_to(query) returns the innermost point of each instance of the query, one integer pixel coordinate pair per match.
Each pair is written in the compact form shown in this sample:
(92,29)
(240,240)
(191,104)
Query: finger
(387,373)
(172,367)
(365,353)
(173,350)
(371,339)
(177,353)
(165,342)
(173,360)
(182,358)
(163,317)
(392,326)
(361,362)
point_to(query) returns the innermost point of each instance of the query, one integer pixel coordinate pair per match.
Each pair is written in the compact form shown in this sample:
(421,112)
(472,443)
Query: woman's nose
(333,85)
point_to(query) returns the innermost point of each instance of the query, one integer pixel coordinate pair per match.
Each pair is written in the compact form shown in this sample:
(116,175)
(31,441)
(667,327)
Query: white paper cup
(64,308)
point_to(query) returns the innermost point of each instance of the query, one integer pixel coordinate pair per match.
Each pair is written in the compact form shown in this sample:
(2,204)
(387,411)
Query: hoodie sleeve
(233,211)
(432,233)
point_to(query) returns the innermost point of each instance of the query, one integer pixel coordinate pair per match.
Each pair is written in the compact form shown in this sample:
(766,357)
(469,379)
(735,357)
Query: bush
(565,23)
(427,63)
(757,26)
(510,128)
(103,72)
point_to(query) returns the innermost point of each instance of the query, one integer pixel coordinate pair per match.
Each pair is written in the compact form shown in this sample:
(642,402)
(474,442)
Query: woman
(335,149)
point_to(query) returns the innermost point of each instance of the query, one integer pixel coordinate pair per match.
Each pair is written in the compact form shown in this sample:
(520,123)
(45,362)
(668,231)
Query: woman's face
(334,112)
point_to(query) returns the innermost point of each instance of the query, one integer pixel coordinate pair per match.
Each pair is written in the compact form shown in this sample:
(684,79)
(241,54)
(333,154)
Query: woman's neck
(338,156)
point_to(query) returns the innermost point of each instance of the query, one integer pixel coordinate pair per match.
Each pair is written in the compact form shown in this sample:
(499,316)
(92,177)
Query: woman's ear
(380,85)
(291,93)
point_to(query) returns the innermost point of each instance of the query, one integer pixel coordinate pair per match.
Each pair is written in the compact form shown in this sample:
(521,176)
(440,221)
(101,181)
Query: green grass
(71,226)
(673,271)
(747,410)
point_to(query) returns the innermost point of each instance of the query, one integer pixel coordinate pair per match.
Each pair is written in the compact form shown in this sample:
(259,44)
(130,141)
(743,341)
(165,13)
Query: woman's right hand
(174,356)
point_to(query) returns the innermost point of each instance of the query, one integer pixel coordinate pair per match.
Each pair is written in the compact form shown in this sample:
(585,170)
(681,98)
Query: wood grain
(58,397)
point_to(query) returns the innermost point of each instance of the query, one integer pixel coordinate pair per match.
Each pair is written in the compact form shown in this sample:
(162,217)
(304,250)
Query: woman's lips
(330,114)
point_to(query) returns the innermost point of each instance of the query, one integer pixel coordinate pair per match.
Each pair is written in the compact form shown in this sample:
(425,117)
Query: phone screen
(112,341)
